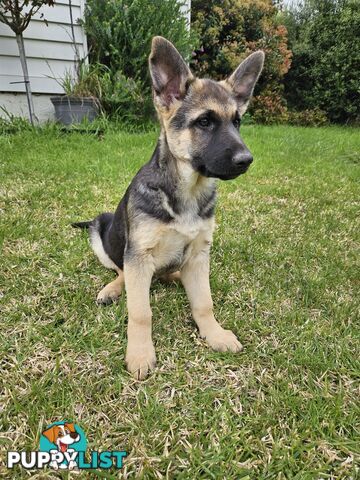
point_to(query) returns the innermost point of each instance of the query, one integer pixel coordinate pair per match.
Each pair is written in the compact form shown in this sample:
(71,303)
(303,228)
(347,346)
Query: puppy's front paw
(140,359)
(223,340)
(108,295)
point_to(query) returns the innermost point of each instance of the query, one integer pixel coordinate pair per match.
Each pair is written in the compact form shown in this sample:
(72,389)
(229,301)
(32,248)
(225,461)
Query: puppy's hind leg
(112,291)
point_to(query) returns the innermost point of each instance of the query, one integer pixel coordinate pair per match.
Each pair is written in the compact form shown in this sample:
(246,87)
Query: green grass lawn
(284,277)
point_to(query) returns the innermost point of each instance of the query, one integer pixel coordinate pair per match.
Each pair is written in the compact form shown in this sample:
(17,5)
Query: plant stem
(20,42)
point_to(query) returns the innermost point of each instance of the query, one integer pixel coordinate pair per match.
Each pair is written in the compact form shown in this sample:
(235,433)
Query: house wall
(186,9)
(50,53)
(16,104)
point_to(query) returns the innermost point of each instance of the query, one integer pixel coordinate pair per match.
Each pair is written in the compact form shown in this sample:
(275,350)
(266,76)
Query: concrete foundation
(16,104)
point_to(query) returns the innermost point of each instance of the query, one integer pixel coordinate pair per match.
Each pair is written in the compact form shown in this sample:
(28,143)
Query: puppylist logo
(63,446)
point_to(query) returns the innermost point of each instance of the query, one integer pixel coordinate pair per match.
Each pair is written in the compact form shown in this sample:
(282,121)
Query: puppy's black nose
(242,159)
(73,435)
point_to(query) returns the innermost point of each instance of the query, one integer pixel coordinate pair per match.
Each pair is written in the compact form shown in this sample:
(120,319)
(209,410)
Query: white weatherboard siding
(186,10)
(50,53)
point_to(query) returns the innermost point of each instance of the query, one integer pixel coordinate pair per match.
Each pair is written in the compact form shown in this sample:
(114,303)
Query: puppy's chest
(181,239)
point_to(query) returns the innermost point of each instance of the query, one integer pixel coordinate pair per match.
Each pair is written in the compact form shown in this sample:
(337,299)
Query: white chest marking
(181,240)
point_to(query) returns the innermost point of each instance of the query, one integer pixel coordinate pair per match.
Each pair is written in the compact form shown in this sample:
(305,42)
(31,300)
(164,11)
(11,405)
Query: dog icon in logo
(63,436)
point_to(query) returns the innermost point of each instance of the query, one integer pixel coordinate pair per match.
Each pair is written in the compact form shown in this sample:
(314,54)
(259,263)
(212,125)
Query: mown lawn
(284,276)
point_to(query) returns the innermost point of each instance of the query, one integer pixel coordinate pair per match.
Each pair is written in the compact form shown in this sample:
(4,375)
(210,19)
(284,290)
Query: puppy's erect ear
(244,78)
(51,433)
(169,72)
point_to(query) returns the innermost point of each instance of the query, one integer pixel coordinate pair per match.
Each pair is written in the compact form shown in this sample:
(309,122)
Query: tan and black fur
(164,224)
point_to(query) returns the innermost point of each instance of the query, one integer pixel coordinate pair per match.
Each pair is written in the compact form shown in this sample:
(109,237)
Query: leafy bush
(85,82)
(307,118)
(269,108)
(229,31)
(123,98)
(272,110)
(325,39)
(119,36)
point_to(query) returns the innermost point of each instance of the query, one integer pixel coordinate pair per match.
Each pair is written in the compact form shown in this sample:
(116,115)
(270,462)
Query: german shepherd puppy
(164,224)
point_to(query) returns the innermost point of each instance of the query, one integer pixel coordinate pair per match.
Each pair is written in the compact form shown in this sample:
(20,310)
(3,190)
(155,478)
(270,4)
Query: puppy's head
(201,118)
(62,435)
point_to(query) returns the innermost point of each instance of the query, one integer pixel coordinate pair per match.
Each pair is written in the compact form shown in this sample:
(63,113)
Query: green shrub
(269,108)
(85,82)
(124,98)
(325,38)
(273,110)
(231,29)
(307,118)
(119,36)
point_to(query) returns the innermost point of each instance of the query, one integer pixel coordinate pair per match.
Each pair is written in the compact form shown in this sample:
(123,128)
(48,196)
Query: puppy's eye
(60,434)
(237,123)
(67,431)
(204,122)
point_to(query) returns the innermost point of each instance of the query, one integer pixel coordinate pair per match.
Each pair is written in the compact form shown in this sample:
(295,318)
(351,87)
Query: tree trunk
(20,42)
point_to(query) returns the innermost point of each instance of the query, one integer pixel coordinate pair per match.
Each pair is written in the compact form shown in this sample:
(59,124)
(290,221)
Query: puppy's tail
(81,224)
